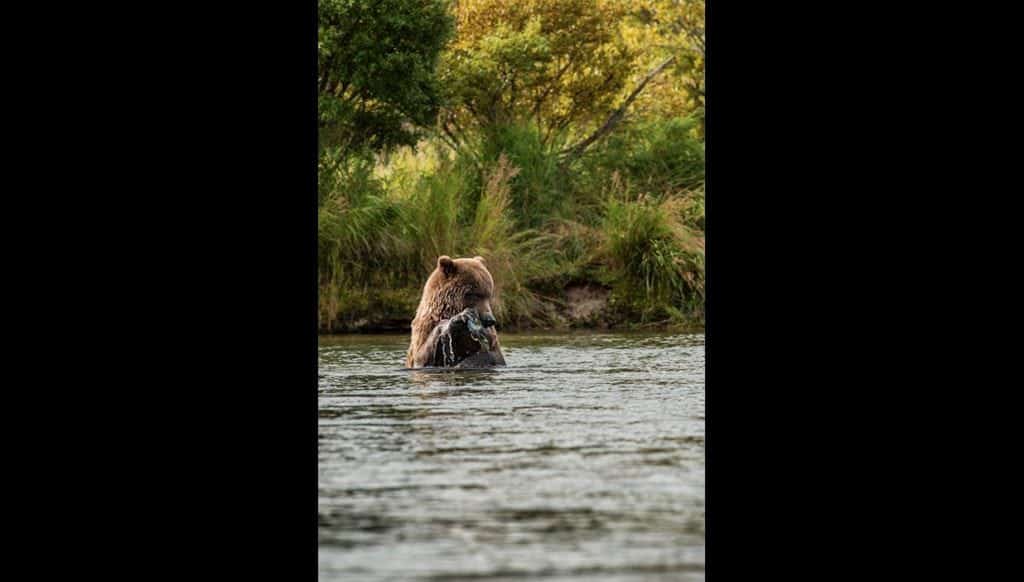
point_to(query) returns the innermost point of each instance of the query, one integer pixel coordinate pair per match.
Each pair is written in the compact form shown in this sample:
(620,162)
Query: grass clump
(654,259)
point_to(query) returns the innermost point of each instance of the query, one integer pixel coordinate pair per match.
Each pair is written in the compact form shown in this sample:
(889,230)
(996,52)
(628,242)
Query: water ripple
(582,460)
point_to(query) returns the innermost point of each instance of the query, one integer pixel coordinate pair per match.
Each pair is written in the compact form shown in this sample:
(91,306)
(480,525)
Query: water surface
(581,460)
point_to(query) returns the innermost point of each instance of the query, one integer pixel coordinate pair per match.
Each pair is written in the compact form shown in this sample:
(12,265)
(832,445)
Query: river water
(581,460)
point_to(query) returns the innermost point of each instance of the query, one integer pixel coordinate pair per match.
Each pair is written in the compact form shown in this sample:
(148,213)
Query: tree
(559,64)
(376,71)
(672,28)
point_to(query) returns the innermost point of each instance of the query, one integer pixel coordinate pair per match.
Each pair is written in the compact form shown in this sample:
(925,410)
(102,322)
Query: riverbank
(577,307)
(609,242)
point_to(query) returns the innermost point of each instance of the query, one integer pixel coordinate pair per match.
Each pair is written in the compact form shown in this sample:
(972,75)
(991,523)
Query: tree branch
(539,101)
(448,132)
(577,150)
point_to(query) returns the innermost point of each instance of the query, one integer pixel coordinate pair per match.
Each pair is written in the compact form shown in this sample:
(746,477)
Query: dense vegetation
(560,139)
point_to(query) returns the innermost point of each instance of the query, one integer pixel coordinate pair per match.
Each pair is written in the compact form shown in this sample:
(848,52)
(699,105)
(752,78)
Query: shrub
(655,260)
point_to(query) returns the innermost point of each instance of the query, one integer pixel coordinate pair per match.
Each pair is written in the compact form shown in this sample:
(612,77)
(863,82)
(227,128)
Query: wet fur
(445,297)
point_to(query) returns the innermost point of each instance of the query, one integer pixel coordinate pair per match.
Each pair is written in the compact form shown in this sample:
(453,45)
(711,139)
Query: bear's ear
(446,264)
(479,258)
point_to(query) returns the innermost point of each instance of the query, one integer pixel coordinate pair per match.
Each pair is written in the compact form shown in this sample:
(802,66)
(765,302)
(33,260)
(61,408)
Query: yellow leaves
(567,64)
(558,63)
(670,27)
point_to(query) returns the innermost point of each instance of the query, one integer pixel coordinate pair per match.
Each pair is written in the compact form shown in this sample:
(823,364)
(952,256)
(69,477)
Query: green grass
(628,217)
(655,259)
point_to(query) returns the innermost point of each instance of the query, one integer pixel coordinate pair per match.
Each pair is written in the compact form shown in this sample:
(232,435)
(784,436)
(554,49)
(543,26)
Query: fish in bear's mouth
(478,331)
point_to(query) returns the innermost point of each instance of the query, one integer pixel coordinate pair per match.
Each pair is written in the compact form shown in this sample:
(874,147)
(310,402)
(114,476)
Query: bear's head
(460,283)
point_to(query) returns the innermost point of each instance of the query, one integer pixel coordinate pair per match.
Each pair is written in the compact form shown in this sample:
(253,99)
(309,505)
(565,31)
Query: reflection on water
(581,460)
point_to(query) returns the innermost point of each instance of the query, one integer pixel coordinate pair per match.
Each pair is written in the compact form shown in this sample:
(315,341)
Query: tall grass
(629,218)
(356,226)
(656,258)
(538,191)
(518,259)
(377,235)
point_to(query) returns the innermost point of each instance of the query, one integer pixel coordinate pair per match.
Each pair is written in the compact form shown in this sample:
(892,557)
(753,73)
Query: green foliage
(355,222)
(377,90)
(539,188)
(376,72)
(381,234)
(520,260)
(558,63)
(519,82)
(657,260)
(433,213)
(377,235)
(653,155)
(676,28)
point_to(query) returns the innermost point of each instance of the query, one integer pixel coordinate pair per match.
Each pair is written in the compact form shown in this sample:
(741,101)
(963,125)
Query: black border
(194,305)
(192,287)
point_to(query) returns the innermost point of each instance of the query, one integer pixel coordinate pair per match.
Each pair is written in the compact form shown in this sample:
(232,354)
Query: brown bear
(454,325)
